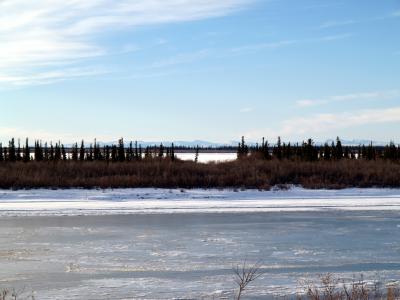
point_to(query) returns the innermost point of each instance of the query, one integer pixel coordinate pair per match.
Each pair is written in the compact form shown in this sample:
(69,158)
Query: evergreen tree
(90,153)
(63,152)
(74,155)
(46,152)
(121,150)
(6,154)
(327,152)
(278,149)
(96,151)
(51,154)
(114,153)
(27,154)
(196,157)
(107,153)
(130,155)
(11,151)
(82,151)
(1,152)
(147,152)
(339,149)
(19,157)
(161,151)
(57,152)
(39,156)
(243,149)
(346,152)
(138,152)
(172,152)
(265,149)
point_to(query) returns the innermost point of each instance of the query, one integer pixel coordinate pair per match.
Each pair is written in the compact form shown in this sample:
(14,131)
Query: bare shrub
(330,287)
(244,275)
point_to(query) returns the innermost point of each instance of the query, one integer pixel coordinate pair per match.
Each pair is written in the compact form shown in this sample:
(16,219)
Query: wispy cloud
(331,24)
(6,133)
(336,37)
(285,43)
(48,77)
(396,13)
(50,34)
(246,109)
(316,124)
(327,122)
(183,58)
(261,46)
(377,95)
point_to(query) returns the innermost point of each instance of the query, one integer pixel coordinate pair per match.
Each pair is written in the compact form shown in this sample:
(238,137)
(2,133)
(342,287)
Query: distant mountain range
(202,143)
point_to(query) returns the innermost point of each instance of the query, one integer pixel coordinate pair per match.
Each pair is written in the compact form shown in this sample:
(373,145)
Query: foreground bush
(164,173)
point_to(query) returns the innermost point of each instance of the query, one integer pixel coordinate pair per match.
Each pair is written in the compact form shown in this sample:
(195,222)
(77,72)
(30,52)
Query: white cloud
(50,76)
(6,133)
(326,122)
(49,34)
(377,95)
(313,125)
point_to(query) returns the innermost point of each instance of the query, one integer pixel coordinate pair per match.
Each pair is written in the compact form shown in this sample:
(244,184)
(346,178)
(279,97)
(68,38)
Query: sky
(210,70)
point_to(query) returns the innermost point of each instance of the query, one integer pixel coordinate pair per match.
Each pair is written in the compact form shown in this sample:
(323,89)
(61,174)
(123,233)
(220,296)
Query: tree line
(133,151)
(58,152)
(309,151)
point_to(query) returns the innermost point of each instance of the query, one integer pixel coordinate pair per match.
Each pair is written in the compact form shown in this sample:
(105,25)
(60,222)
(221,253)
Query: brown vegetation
(333,288)
(248,172)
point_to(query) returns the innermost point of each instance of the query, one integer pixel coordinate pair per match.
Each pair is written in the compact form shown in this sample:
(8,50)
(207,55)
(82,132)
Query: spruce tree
(172,152)
(114,153)
(63,152)
(279,148)
(196,157)
(121,150)
(27,154)
(6,154)
(46,152)
(339,149)
(1,152)
(161,151)
(130,156)
(19,157)
(327,152)
(90,153)
(107,153)
(82,151)
(138,152)
(11,151)
(75,152)
(57,152)
(147,152)
(51,154)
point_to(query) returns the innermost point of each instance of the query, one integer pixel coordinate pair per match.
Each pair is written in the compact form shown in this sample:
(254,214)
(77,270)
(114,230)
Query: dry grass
(164,173)
(332,288)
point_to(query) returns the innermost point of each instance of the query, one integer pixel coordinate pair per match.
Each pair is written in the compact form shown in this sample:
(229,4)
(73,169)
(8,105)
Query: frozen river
(162,244)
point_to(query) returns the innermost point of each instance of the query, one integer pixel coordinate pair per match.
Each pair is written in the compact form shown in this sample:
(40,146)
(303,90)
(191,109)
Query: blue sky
(200,69)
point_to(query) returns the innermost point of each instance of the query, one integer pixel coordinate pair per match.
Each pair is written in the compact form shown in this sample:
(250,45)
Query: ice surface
(139,201)
(166,244)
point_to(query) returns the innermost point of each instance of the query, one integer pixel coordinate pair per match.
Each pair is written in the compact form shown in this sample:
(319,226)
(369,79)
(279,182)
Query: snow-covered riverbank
(160,201)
